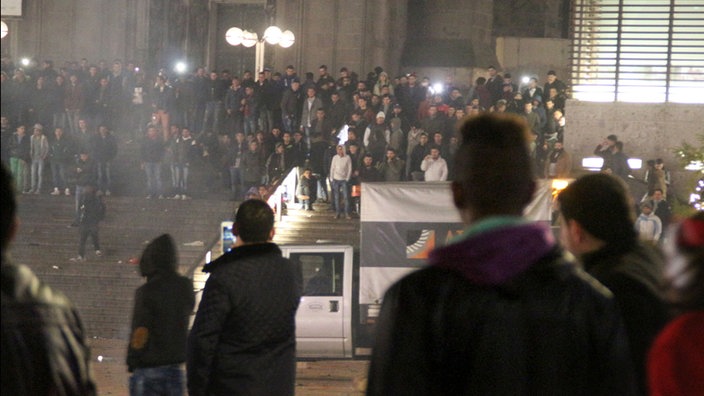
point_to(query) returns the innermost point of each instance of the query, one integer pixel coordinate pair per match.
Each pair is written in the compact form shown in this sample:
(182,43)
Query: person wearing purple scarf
(499,310)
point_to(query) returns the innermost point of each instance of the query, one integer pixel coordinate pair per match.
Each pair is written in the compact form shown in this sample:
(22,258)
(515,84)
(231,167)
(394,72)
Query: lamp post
(272,35)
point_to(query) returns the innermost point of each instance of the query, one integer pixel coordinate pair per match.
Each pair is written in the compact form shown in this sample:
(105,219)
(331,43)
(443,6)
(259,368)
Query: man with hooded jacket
(498,311)
(162,309)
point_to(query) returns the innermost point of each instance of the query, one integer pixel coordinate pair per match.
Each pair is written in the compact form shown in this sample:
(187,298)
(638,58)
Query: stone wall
(648,130)
(357,34)
(533,57)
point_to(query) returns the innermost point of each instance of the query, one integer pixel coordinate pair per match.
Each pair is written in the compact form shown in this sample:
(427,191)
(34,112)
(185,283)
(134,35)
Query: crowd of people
(248,130)
(498,310)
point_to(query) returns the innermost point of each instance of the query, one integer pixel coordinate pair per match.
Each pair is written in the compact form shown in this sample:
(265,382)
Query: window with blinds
(638,51)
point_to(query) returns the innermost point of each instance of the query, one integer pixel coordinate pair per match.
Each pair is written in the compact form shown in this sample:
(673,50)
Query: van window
(322,273)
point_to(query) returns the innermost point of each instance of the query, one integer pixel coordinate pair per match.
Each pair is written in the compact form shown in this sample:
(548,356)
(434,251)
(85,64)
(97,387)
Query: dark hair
(601,205)
(254,220)
(613,138)
(9,206)
(493,165)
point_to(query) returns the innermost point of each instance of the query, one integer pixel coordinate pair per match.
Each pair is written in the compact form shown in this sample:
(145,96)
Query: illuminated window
(638,50)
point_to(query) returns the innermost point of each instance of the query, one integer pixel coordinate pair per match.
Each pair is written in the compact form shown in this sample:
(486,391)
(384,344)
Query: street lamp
(272,35)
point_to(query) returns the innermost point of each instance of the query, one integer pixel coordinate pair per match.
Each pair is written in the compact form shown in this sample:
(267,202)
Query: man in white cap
(376,138)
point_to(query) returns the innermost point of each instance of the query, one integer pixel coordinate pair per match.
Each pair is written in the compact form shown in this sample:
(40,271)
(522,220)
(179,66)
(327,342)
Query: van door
(323,320)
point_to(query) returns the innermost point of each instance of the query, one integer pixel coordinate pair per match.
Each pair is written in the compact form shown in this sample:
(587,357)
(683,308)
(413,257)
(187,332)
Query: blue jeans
(250,124)
(212,117)
(179,178)
(104,177)
(153,172)
(157,381)
(322,188)
(290,124)
(58,174)
(79,197)
(37,174)
(337,187)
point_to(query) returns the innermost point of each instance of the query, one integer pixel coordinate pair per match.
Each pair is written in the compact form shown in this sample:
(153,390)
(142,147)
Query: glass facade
(638,51)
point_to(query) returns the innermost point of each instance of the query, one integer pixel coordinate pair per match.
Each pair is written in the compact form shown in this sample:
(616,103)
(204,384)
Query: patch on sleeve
(140,336)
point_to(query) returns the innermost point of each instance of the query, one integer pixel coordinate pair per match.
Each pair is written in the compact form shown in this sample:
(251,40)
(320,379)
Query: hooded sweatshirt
(162,309)
(494,256)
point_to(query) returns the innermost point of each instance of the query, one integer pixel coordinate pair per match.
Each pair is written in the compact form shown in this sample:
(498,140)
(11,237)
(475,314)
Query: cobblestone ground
(314,378)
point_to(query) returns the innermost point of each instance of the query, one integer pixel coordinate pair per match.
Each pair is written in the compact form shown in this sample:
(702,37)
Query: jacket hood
(493,257)
(159,256)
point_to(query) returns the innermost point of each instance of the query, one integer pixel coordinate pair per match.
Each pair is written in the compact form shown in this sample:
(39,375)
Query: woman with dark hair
(676,360)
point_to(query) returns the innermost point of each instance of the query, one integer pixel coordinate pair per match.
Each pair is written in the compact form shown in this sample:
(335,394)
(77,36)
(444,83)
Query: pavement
(313,378)
(102,288)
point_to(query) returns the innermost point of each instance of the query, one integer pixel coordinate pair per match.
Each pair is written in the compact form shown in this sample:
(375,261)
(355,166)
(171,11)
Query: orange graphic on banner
(423,246)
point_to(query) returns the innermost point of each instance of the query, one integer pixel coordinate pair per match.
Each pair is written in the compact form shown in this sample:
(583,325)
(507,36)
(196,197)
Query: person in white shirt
(434,166)
(648,225)
(340,173)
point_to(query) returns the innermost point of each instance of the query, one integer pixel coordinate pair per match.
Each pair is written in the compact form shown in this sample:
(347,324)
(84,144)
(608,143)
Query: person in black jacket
(92,212)
(596,221)
(162,308)
(152,154)
(243,340)
(104,149)
(498,311)
(86,175)
(44,349)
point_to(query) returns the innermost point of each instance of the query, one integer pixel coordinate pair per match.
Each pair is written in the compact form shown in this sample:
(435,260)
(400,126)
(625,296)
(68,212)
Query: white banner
(402,222)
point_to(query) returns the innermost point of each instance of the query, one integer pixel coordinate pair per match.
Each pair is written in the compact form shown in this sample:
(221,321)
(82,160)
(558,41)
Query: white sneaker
(107,192)
(77,259)
(177,196)
(67,192)
(185,197)
(56,191)
(98,253)
(161,196)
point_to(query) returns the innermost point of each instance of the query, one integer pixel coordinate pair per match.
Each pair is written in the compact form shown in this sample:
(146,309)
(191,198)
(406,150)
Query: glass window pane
(322,273)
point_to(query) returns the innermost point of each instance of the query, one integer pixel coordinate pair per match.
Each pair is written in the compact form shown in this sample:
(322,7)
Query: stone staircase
(103,287)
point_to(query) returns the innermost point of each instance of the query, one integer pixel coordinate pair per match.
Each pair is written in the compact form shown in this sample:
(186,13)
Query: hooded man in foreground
(499,310)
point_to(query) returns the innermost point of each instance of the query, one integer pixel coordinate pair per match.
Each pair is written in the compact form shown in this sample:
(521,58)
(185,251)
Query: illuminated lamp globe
(287,39)
(249,39)
(234,36)
(272,35)
(3,29)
